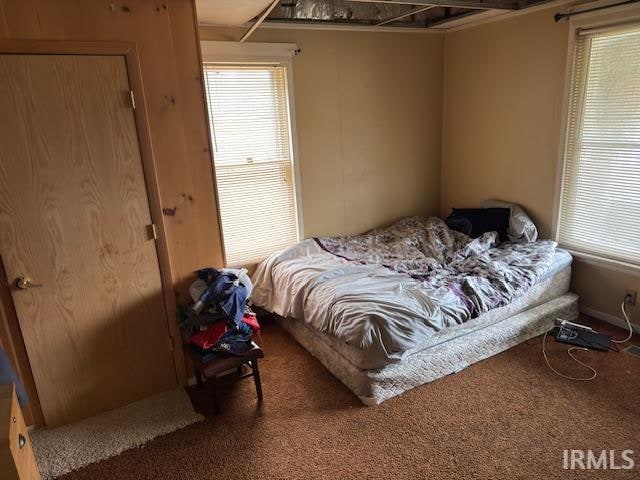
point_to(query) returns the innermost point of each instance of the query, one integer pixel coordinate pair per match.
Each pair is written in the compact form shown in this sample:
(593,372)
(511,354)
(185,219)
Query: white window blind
(600,200)
(249,119)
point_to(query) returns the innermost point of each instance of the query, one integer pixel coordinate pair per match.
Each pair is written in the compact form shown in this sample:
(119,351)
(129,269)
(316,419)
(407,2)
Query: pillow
(521,228)
(481,220)
(460,224)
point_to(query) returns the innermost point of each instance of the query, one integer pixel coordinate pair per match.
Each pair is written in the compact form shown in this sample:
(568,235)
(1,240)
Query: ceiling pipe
(413,11)
(471,4)
(261,19)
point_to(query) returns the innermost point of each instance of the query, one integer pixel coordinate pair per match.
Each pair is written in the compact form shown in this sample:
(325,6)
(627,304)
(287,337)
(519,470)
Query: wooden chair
(211,370)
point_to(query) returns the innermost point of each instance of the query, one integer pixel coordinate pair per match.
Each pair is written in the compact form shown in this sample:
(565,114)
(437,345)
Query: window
(600,197)
(251,136)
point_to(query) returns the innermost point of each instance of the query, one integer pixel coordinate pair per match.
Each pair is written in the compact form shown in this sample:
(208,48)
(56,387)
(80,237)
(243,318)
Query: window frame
(256,53)
(611,18)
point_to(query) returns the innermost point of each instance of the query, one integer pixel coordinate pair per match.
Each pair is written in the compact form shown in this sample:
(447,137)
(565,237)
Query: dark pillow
(460,224)
(476,221)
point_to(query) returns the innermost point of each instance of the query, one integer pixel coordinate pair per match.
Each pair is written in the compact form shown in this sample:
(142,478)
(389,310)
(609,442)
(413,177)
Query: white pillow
(521,228)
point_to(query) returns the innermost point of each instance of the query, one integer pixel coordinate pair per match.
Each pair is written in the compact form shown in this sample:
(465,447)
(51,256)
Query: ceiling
(229,12)
(362,13)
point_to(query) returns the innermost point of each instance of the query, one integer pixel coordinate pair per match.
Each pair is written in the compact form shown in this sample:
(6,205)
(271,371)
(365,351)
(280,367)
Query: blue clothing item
(235,341)
(205,355)
(8,376)
(226,292)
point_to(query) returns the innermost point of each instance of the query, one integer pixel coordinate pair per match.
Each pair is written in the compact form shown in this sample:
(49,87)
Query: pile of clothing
(219,321)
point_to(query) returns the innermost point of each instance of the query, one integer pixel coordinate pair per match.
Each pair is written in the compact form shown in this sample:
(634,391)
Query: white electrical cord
(626,317)
(569,352)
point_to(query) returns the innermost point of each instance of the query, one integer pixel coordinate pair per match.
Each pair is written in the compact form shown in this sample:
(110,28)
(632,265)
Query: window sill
(608,263)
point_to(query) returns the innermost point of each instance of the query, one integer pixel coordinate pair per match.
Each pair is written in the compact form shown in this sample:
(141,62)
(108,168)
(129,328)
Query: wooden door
(74,218)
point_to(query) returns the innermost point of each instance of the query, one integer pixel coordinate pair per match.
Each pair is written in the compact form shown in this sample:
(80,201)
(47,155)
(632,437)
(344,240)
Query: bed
(401,306)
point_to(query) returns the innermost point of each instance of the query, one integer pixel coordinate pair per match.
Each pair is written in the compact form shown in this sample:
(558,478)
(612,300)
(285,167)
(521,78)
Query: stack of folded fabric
(219,321)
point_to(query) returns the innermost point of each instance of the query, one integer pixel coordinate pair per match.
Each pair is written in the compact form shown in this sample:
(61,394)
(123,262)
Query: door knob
(24,283)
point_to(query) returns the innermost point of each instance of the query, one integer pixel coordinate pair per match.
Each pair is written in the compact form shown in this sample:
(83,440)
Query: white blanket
(385,312)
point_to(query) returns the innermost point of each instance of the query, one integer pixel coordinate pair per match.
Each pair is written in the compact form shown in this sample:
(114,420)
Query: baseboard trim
(607,317)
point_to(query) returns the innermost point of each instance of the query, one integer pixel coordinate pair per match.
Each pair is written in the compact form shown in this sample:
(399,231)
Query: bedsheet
(390,289)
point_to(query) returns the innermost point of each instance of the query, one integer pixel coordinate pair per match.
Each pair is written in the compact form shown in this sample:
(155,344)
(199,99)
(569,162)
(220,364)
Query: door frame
(12,333)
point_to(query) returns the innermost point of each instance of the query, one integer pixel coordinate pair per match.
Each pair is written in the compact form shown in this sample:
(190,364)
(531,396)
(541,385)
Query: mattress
(552,285)
(561,260)
(378,385)
(380,309)
(450,349)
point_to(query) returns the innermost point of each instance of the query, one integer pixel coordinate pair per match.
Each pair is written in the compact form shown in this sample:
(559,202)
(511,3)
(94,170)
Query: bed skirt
(375,386)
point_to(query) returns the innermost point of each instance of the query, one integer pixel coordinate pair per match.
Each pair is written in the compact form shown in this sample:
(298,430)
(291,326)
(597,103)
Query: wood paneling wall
(166,37)
(167,41)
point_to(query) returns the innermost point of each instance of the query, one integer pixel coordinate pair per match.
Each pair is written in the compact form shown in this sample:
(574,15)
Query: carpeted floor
(507,417)
(110,433)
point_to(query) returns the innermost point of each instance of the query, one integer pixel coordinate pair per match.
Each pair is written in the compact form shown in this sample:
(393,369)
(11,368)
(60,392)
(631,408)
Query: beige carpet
(67,448)
(505,418)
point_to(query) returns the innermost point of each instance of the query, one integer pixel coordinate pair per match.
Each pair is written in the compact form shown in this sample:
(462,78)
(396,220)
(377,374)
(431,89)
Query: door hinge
(152,232)
(132,96)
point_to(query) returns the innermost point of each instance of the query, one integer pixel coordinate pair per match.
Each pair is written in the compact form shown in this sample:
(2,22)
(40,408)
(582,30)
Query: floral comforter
(390,289)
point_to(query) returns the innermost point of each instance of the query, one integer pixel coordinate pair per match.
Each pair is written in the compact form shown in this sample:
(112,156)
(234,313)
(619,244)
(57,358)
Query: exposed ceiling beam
(413,11)
(471,4)
(346,25)
(264,15)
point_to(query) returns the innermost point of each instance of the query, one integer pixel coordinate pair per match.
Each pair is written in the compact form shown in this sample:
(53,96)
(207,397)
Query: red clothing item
(252,321)
(208,338)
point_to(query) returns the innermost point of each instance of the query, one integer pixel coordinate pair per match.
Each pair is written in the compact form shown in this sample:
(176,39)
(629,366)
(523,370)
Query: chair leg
(216,395)
(256,378)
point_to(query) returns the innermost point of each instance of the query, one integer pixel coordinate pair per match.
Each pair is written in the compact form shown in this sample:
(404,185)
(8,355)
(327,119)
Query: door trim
(129,52)
(13,343)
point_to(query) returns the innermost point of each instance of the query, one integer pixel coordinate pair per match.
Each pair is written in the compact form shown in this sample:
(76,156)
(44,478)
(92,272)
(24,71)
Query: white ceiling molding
(259,21)
(470,19)
(229,12)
